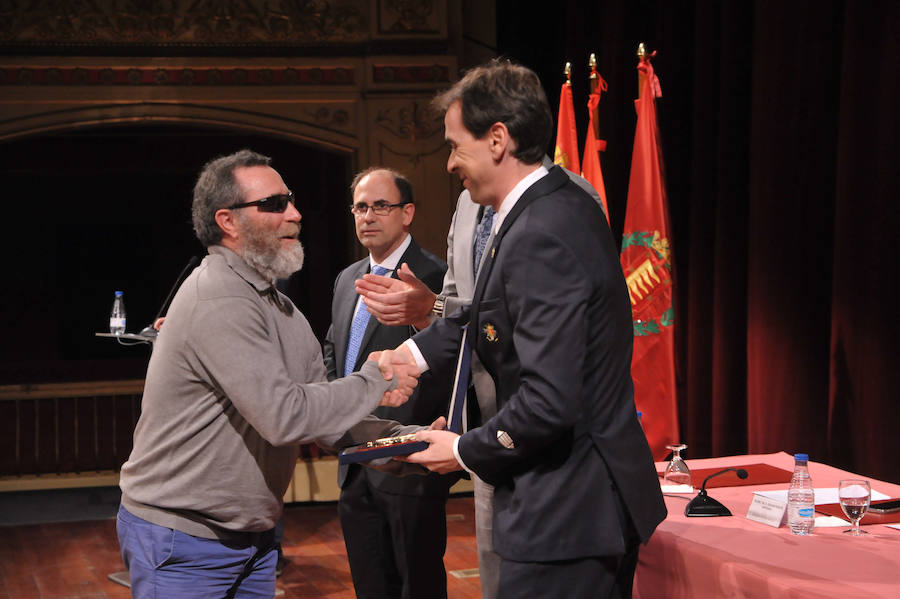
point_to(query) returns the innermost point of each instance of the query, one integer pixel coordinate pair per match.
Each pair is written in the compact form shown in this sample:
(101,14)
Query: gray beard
(263,252)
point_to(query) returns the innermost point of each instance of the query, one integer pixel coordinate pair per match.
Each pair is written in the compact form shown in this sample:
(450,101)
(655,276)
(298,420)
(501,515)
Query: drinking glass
(855,496)
(677,471)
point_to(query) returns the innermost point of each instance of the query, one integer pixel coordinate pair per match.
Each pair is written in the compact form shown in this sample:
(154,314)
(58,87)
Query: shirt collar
(391,261)
(513,196)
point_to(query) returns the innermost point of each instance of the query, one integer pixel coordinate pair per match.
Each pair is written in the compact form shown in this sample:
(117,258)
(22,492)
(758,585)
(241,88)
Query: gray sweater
(236,381)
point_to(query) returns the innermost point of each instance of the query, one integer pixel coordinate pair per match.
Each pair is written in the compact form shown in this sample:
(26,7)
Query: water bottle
(801,499)
(117,315)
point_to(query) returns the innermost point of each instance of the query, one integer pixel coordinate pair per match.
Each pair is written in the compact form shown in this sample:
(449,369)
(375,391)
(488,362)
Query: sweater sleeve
(243,362)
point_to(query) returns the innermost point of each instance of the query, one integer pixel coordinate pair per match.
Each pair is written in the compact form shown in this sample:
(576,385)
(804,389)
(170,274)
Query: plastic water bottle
(801,498)
(117,315)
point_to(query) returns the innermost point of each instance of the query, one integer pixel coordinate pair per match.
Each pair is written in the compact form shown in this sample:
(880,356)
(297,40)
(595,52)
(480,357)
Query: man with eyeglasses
(235,384)
(395,529)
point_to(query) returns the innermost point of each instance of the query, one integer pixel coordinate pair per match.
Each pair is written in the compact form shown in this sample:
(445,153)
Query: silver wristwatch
(438,308)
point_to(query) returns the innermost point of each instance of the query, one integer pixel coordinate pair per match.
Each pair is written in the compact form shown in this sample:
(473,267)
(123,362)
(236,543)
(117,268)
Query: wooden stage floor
(73,559)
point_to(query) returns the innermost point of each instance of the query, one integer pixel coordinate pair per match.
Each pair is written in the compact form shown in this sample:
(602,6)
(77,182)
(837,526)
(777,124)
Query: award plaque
(388,447)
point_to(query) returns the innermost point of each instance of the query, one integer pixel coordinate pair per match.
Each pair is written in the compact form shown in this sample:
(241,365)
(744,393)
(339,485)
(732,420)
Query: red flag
(593,145)
(566,154)
(647,264)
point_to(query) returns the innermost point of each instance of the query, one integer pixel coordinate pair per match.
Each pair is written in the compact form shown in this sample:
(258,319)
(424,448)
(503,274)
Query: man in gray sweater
(235,383)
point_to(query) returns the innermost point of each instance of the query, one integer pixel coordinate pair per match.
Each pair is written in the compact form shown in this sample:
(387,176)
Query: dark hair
(402,183)
(216,189)
(502,92)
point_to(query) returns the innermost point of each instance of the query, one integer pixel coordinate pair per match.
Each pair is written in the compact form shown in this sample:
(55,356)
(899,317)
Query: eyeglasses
(275,203)
(380,208)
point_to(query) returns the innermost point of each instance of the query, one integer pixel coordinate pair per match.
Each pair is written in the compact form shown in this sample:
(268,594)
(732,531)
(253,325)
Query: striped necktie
(358,329)
(482,233)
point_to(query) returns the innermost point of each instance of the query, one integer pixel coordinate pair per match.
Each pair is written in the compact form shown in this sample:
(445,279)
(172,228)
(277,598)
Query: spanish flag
(566,154)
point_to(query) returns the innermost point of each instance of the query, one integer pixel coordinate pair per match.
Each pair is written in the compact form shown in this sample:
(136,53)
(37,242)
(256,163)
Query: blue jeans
(168,564)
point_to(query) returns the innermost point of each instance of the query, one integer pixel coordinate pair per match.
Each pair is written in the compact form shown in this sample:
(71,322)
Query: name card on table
(767,511)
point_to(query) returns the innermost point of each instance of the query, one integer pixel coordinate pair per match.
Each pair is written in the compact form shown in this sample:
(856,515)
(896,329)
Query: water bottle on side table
(117,315)
(801,498)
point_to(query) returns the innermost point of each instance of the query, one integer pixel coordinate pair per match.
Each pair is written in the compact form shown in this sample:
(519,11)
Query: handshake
(397,364)
(439,457)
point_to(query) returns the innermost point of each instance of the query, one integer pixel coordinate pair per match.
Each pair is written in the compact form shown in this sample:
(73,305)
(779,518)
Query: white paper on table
(677,488)
(830,522)
(897,526)
(823,496)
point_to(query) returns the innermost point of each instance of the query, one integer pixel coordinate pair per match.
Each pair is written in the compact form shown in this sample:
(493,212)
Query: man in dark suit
(394,528)
(575,488)
(408,300)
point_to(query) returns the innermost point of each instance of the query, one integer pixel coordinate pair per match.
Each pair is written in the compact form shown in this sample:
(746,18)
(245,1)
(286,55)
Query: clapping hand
(396,302)
(397,364)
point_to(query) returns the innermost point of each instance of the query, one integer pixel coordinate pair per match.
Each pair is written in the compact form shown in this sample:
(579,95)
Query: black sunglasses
(275,203)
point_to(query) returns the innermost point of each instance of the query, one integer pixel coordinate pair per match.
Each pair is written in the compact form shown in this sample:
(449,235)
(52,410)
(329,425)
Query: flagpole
(594,81)
(643,56)
(593,145)
(566,151)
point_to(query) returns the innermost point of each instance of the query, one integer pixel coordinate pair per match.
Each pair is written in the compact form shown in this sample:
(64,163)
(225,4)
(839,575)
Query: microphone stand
(704,505)
(148,331)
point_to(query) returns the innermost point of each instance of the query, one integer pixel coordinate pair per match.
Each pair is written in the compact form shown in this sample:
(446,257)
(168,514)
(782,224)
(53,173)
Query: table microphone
(704,505)
(149,331)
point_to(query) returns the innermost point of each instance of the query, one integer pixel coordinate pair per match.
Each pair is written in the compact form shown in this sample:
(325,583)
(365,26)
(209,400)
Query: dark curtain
(779,127)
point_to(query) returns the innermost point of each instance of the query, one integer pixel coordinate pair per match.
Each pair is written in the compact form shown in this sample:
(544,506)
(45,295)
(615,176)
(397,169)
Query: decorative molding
(324,116)
(419,17)
(414,158)
(410,123)
(177,76)
(414,73)
(183,23)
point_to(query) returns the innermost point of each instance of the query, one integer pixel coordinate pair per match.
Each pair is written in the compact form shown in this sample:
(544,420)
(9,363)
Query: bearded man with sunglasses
(235,384)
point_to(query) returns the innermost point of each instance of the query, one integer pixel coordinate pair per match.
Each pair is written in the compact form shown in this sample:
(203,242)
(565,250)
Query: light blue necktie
(482,233)
(358,329)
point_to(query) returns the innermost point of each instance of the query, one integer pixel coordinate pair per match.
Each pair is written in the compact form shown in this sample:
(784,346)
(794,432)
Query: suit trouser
(395,543)
(163,562)
(588,578)
(488,560)
(594,577)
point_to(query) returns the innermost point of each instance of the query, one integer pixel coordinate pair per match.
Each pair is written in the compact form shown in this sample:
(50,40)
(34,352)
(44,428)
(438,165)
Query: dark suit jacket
(551,322)
(432,394)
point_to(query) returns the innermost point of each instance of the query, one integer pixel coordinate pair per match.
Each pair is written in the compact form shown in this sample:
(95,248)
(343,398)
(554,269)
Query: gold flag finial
(568,72)
(595,79)
(642,53)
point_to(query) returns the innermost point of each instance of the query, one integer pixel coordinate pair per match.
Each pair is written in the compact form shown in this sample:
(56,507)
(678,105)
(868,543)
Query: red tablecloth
(736,557)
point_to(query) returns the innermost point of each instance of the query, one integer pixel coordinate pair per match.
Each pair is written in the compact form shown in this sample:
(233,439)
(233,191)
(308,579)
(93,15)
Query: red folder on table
(834,509)
(758,474)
